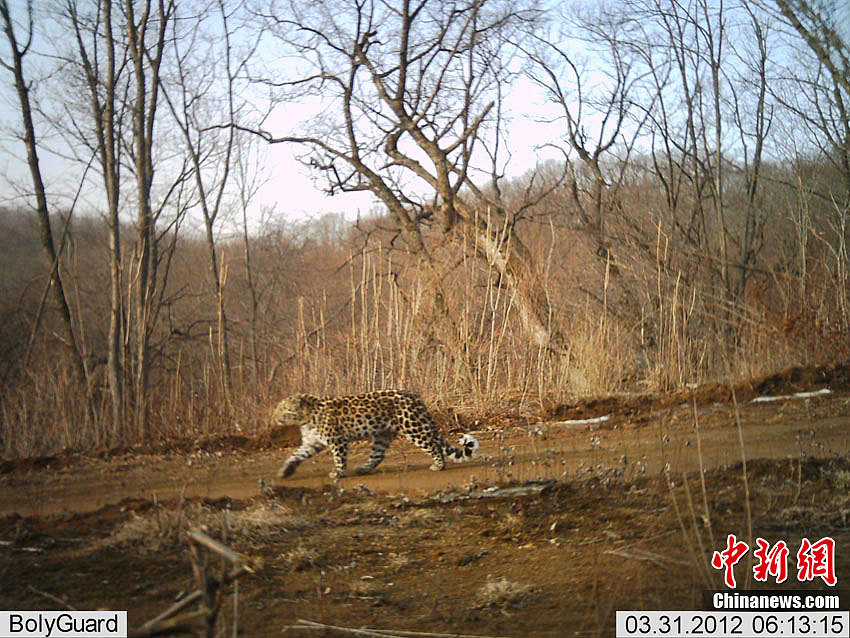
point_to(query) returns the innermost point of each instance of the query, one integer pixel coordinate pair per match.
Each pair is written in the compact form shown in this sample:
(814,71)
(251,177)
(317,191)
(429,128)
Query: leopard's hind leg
(380,443)
(429,442)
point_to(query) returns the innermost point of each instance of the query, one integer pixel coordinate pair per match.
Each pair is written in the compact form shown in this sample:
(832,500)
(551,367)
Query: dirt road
(639,443)
(390,551)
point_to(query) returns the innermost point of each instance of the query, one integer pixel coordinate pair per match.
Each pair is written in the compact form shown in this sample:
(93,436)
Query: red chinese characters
(773,562)
(734,552)
(817,560)
(814,560)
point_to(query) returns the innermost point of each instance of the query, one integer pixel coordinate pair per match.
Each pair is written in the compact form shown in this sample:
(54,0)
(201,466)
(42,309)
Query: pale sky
(291,188)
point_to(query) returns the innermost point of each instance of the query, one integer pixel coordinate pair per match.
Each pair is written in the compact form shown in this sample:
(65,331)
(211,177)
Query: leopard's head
(295,409)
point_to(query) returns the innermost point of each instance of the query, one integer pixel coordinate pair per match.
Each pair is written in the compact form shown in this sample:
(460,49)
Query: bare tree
(249,178)
(211,150)
(120,49)
(818,97)
(596,98)
(709,121)
(411,112)
(147,28)
(103,84)
(18,51)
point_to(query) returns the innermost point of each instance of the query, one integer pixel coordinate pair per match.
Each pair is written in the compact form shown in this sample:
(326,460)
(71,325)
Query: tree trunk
(145,60)
(109,161)
(516,270)
(45,232)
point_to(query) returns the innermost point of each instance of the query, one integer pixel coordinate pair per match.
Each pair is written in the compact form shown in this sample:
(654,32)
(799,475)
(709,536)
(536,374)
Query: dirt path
(641,443)
(539,559)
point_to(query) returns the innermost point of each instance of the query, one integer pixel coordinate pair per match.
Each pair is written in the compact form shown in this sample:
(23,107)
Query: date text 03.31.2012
(717,624)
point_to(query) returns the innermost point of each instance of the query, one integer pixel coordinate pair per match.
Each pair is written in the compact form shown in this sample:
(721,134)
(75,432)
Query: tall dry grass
(351,310)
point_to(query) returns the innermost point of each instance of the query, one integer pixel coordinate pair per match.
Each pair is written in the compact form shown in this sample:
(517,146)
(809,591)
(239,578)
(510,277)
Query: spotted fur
(334,422)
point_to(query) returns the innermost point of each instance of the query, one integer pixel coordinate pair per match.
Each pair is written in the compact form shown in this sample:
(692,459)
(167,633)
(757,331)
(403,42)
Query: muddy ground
(552,529)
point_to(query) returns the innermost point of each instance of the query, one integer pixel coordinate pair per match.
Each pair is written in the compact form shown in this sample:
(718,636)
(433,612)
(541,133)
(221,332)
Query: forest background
(687,220)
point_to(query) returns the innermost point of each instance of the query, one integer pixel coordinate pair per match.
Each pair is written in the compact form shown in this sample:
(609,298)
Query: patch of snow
(598,419)
(796,395)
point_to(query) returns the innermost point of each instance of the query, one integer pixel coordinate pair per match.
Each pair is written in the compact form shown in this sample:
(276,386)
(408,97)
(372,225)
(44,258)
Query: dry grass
(500,593)
(301,558)
(260,523)
(335,319)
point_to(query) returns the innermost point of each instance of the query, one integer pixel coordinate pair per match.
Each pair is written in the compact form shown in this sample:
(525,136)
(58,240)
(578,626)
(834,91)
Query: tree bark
(45,231)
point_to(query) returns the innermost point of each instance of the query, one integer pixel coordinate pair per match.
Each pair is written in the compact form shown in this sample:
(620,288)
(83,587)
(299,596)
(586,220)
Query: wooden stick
(207,585)
(234,557)
(383,633)
(185,602)
(150,627)
(180,604)
(208,589)
(185,622)
(55,599)
(30,550)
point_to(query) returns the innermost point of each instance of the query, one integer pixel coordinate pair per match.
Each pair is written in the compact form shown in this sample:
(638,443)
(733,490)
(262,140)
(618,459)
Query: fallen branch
(208,586)
(223,550)
(378,633)
(187,623)
(29,550)
(208,590)
(179,605)
(55,599)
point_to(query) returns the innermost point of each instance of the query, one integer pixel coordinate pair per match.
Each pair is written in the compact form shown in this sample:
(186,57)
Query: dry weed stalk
(209,591)
(365,318)
(309,625)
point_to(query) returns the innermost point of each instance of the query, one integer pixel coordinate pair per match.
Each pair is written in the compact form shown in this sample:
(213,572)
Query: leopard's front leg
(339,452)
(311,445)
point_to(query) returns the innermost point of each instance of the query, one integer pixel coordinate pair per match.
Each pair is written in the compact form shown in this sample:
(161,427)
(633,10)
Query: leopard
(335,422)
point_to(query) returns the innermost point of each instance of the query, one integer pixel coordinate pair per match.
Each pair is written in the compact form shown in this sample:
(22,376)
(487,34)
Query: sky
(289,189)
(292,188)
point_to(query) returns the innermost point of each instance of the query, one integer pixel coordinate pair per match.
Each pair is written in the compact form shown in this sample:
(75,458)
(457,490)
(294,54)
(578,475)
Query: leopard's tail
(466,449)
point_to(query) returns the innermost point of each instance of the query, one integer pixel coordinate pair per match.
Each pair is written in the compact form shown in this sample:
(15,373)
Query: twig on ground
(208,590)
(180,604)
(55,599)
(239,560)
(187,622)
(378,633)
